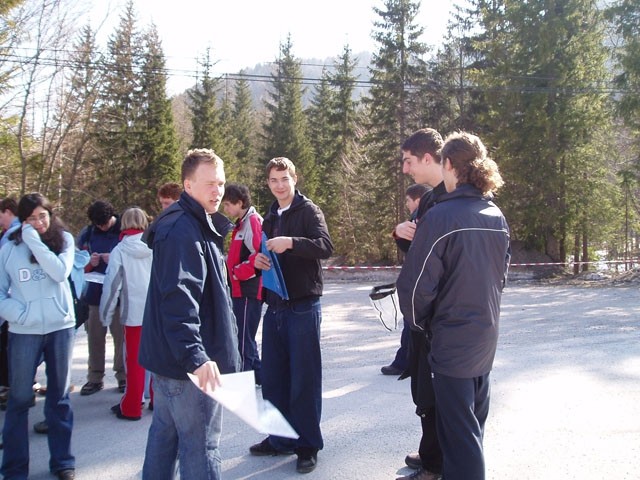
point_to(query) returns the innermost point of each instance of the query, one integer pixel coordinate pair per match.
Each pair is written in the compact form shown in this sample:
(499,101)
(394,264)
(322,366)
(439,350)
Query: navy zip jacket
(188,318)
(451,282)
(300,265)
(94,240)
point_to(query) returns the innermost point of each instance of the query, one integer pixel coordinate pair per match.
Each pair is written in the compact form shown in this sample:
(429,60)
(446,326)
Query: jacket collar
(464,191)
(250,211)
(298,198)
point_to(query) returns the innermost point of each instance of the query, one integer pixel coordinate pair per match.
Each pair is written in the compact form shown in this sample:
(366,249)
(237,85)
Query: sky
(243,33)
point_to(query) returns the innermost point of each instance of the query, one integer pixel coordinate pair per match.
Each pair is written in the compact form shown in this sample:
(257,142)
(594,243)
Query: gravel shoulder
(565,395)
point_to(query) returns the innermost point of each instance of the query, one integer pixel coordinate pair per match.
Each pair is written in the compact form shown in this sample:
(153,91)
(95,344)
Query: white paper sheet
(239,395)
(94,277)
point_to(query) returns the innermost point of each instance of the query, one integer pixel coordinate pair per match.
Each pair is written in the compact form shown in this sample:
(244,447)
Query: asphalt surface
(565,397)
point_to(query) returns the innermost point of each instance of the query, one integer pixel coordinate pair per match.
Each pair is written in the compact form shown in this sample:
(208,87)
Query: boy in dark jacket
(291,361)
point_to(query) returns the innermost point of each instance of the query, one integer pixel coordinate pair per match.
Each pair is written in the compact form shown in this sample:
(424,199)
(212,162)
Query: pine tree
(78,120)
(323,141)
(228,150)
(204,108)
(244,130)
(285,129)
(397,71)
(542,80)
(347,131)
(624,16)
(121,126)
(447,97)
(158,154)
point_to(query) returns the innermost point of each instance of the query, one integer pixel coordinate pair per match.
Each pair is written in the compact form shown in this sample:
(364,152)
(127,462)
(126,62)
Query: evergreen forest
(551,86)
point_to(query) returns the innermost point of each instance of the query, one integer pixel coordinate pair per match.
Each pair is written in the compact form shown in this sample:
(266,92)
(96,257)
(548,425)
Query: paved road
(565,397)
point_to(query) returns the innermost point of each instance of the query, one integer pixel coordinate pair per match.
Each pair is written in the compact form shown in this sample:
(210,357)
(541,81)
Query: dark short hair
(170,190)
(100,212)
(235,192)
(416,191)
(29,202)
(280,164)
(196,157)
(425,140)
(9,204)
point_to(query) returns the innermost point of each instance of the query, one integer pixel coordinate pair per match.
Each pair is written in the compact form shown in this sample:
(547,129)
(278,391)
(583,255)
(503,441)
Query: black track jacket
(451,282)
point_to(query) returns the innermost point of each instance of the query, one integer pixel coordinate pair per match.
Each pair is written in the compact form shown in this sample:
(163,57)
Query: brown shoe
(413,461)
(90,388)
(421,474)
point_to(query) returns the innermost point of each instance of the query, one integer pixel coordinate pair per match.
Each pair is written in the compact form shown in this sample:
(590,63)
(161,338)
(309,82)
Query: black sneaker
(307,460)
(116,409)
(122,386)
(390,370)
(90,388)
(41,427)
(264,448)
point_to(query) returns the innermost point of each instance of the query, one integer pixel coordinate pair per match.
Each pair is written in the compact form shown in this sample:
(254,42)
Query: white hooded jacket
(127,280)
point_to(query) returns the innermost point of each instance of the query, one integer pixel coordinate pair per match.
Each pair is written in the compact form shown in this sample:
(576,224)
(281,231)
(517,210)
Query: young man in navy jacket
(188,327)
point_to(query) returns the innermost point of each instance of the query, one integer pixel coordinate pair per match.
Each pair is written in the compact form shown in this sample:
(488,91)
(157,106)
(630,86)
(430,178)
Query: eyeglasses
(38,218)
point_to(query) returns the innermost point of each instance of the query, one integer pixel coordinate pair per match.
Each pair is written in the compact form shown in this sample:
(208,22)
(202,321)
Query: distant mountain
(259,76)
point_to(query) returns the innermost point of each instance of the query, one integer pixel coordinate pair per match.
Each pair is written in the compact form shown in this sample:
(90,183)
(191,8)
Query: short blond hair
(134,217)
(196,157)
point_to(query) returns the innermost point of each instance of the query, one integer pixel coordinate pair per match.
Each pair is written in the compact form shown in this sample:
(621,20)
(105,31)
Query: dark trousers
(402,355)
(462,406)
(248,311)
(424,398)
(292,370)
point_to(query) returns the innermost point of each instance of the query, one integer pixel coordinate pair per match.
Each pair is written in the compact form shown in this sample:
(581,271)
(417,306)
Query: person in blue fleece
(35,299)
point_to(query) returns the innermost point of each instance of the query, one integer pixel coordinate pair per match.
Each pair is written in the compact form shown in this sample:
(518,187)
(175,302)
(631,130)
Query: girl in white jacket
(126,280)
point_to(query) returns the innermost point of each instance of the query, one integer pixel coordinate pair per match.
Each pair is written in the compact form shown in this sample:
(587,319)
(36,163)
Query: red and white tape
(543,264)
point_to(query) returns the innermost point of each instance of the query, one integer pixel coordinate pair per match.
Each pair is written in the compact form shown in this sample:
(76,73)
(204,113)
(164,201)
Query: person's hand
(279,244)
(208,376)
(95,259)
(262,262)
(406,230)
(105,257)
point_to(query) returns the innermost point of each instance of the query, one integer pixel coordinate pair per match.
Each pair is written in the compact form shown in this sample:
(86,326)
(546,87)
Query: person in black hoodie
(291,360)
(188,326)
(450,287)
(421,160)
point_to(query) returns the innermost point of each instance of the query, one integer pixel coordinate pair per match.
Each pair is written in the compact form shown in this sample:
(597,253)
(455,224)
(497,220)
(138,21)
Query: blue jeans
(186,423)
(292,370)
(248,311)
(25,352)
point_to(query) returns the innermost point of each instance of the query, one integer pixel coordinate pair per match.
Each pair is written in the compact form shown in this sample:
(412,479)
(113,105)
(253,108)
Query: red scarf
(129,231)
